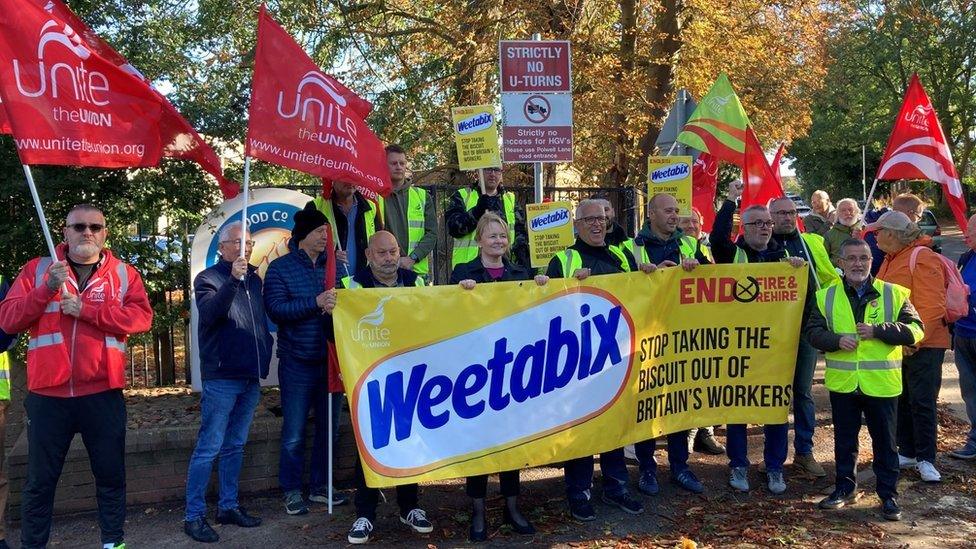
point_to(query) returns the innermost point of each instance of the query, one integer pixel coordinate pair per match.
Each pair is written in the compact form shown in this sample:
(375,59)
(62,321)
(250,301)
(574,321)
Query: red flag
(761,183)
(917,149)
(704,180)
(70,99)
(306,120)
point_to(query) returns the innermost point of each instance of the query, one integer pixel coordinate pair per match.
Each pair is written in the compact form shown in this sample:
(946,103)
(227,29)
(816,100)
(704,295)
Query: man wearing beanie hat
(296,300)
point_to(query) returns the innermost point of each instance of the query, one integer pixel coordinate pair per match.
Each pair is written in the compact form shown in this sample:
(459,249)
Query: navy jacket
(475,270)
(365,279)
(6,340)
(723,247)
(290,287)
(234,339)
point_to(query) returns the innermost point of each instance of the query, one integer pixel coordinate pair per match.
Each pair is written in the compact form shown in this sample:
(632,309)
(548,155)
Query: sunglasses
(81,227)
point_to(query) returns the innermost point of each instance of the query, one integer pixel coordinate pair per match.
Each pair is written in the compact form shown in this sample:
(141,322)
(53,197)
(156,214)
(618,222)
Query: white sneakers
(906,462)
(928,472)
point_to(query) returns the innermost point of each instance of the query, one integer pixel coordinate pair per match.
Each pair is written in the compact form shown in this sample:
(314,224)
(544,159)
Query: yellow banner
(445,382)
(550,226)
(476,137)
(671,175)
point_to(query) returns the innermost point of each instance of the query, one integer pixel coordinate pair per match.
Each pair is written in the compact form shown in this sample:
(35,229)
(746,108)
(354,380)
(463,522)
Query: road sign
(535,66)
(538,127)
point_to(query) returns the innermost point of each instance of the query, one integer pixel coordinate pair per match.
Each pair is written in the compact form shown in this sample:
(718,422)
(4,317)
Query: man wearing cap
(809,247)
(465,209)
(862,325)
(919,269)
(296,300)
(756,245)
(383,254)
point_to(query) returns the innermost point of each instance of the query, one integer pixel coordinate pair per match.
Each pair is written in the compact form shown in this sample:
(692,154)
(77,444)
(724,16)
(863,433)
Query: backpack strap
(914,257)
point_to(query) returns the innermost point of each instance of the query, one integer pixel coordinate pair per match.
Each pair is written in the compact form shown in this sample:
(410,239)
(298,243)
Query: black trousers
(477,486)
(880,413)
(368,498)
(921,376)
(52,423)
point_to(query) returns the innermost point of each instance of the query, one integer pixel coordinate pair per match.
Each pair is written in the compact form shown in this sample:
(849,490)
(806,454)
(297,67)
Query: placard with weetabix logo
(550,230)
(476,137)
(671,175)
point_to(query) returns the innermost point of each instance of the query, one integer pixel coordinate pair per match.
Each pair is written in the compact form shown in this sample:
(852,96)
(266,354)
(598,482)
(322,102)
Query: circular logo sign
(747,291)
(537,109)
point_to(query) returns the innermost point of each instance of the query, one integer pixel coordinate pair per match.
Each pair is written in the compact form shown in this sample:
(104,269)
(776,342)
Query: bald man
(383,271)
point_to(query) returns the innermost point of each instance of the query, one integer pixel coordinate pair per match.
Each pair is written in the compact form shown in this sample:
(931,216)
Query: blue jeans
(804,411)
(966,364)
(775,446)
(226,410)
(677,454)
(303,388)
(579,474)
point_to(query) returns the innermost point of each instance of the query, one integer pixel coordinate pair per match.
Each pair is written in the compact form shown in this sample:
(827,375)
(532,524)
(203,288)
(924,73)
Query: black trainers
(295,504)
(890,510)
(838,499)
(321,495)
(581,509)
(360,531)
(707,444)
(417,519)
(625,502)
(200,531)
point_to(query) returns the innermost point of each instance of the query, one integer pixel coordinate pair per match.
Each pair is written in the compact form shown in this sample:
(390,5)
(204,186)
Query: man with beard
(847,226)
(383,254)
(79,310)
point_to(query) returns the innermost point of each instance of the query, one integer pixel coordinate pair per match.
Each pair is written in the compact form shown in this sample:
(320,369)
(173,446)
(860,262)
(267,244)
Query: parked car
(930,226)
(803,210)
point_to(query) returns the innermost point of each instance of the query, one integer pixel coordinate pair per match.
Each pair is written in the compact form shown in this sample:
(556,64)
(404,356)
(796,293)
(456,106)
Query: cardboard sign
(476,137)
(671,175)
(550,226)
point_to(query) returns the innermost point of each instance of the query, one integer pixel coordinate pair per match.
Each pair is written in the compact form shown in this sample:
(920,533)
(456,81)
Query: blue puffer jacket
(290,288)
(234,339)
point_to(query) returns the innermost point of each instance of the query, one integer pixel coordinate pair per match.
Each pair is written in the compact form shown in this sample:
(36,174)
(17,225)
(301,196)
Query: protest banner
(476,137)
(512,375)
(550,227)
(671,175)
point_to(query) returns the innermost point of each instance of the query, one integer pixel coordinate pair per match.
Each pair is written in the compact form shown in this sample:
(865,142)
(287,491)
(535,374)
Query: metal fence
(159,359)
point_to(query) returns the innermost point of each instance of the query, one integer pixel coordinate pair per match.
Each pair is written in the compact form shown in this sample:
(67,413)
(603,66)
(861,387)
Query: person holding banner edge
(756,245)
(493,265)
(862,325)
(465,209)
(589,256)
(661,242)
(383,256)
(809,247)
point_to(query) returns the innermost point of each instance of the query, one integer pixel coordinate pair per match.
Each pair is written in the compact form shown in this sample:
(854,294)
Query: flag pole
(40,213)
(673,145)
(867,201)
(481,179)
(331,460)
(247,185)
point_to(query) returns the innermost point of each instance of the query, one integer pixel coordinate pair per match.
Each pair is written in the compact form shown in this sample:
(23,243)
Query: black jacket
(342,229)
(659,250)
(234,339)
(598,260)
(616,235)
(461,222)
(723,248)
(365,279)
(892,333)
(475,270)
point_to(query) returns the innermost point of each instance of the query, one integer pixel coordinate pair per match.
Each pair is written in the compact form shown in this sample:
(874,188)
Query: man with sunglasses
(79,310)
(756,245)
(811,248)
(235,354)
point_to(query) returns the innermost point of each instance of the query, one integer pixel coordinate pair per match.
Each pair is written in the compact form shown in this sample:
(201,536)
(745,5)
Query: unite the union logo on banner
(413,408)
(369,331)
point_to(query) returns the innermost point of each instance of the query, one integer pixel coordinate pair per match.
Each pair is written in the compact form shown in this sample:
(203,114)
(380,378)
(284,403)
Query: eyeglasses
(593,220)
(237,242)
(790,213)
(857,259)
(760,224)
(82,227)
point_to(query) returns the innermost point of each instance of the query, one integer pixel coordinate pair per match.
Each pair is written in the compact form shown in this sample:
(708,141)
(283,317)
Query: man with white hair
(235,353)
(847,226)
(591,256)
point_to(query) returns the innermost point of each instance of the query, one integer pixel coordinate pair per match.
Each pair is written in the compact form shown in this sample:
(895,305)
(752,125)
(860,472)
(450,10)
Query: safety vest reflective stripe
(123,278)
(466,247)
(114,343)
(42,267)
(570,260)
(639,252)
(52,307)
(416,208)
(44,341)
(864,365)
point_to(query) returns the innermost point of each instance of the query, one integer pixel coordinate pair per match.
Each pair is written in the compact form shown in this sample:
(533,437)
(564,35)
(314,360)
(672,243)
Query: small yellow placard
(476,137)
(550,227)
(671,175)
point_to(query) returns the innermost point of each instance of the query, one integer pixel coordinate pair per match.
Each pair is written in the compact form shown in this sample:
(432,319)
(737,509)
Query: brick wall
(156,462)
